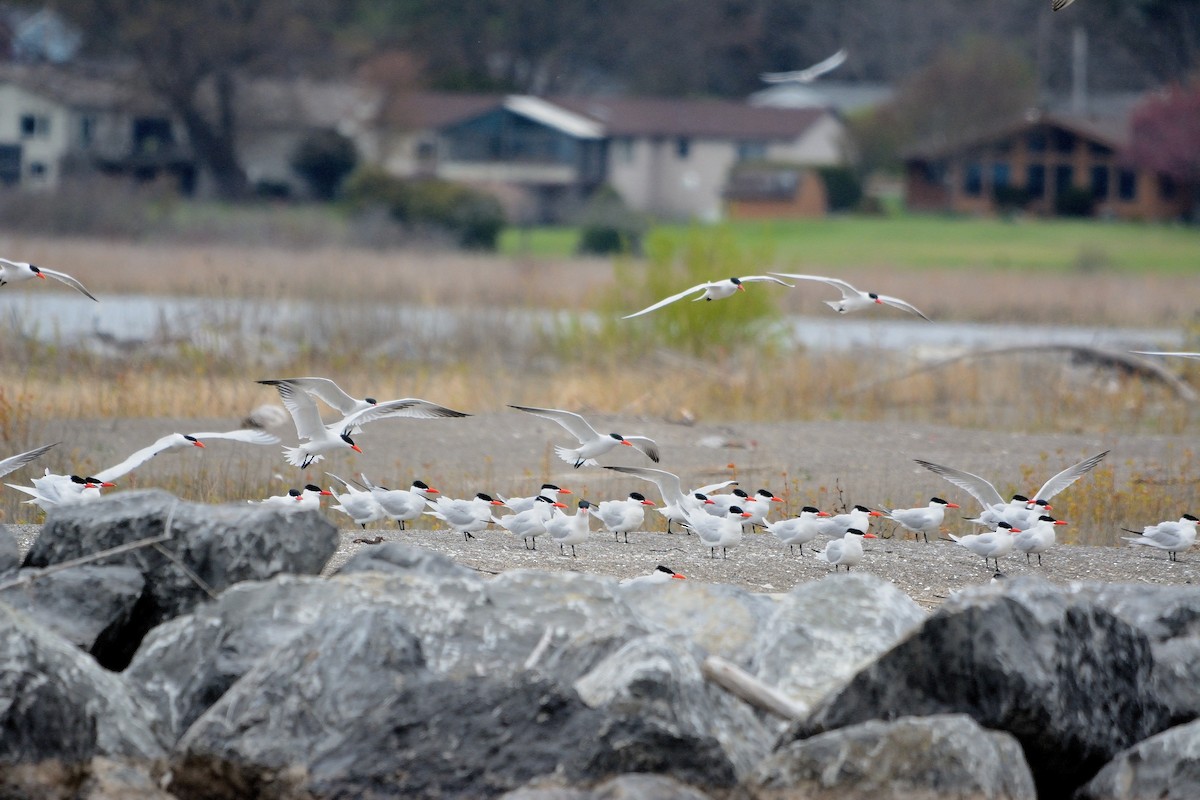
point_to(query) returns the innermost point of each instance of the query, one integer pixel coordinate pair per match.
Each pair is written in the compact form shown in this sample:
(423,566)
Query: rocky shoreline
(245,652)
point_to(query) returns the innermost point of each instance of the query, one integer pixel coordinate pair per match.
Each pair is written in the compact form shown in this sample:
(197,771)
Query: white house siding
(652,176)
(823,144)
(45,147)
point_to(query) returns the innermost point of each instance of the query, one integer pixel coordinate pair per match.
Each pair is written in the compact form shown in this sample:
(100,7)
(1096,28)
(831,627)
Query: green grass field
(915,242)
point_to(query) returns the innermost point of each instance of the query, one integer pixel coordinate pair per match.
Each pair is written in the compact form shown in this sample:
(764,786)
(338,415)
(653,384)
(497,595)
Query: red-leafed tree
(1165,137)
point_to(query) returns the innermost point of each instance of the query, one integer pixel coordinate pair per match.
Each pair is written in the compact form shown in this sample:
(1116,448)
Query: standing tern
(847,551)
(297,499)
(623,516)
(1037,538)
(570,529)
(660,574)
(465,516)
(714,290)
(858,518)
(532,523)
(992,544)
(713,532)
(52,490)
(923,520)
(990,499)
(324,438)
(402,505)
(519,504)
(757,506)
(591,443)
(14,463)
(797,530)
(17,271)
(360,506)
(810,74)
(1170,536)
(854,299)
(676,505)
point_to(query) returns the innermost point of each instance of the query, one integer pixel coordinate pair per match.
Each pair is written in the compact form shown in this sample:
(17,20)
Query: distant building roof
(114,89)
(1112,132)
(643,116)
(554,116)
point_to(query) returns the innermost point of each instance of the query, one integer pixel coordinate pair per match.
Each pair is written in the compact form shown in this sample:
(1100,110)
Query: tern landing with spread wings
(714,290)
(855,299)
(591,442)
(17,271)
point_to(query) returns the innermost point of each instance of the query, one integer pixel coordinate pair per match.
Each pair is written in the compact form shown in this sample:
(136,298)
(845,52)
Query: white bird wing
(576,425)
(1068,476)
(67,279)
(976,486)
(404,407)
(667,482)
(1059,5)
(845,288)
(139,457)
(303,408)
(766,278)
(13,463)
(714,487)
(896,302)
(247,435)
(322,388)
(703,287)
(646,445)
(1165,353)
(809,74)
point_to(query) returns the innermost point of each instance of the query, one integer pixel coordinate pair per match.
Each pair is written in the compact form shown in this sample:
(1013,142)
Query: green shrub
(324,158)
(607,226)
(843,190)
(1074,202)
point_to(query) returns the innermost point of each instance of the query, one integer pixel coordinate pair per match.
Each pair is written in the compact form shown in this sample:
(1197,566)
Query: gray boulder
(89,605)
(1165,766)
(622,787)
(911,758)
(400,558)
(10,553)
(658,677)
(722,620)
(221,545)
(823,632)
(57,704)
(1070,680)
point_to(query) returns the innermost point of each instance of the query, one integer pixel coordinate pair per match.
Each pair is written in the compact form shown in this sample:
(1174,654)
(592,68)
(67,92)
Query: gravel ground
(823,463)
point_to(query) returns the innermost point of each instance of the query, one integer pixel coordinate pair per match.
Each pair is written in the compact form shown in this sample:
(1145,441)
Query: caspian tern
(402,505)
(297,499)
(1019,509)
(714,290)
(676,505)
(721,503)
(758,505)
(532,523)
(52,490)
(810,74)
(14,463)
(858,518)
(924,520)
(992,544)
(17,271)
(854,299)
(623,516)
(324,438)
(1173,537)
(519,504)
(570,529)
(360,506)
(465,516)
(1038,538)
(660,574)
(847,551)
(591,443)
(797,530)
(713,532)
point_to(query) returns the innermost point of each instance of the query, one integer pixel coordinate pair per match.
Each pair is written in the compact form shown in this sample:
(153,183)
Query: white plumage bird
(855,299)
(18,271)
(810,74)
(713,290)
(591,443)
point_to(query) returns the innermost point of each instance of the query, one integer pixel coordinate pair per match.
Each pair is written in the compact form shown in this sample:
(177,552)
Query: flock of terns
(718,520)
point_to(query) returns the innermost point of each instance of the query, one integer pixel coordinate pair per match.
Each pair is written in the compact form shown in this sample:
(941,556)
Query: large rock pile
(214,662)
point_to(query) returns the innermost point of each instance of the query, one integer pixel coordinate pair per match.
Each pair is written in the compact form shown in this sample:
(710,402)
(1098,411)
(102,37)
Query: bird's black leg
(573,552)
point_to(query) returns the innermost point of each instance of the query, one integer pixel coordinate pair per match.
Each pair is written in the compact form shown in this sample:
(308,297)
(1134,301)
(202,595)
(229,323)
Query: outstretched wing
(168,442)
(1059,5)
(809,74)
(761,278)
(703,287)
(247,435)
(846,289)
(301,406)
(974,485)
(1165,353)
(896,302)
(646,445)
(404,407)
(324,389)
(1068,476)
(13,463)
(576,425)
(667,482)
(67,279)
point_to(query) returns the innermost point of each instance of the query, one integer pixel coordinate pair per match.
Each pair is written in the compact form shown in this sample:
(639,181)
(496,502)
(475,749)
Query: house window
(625,149)
(1001,175)
(751,151)
(1035,180)
(37,171)
(1064,141)
(1064,177)
(972,179)
(35,126)
(683,146)
(1100,182)
(1035,141)
(1126,184)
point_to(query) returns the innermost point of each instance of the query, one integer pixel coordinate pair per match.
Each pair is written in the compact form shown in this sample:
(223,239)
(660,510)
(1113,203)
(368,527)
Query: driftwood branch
(742,684)
(1113,359)
(91,558)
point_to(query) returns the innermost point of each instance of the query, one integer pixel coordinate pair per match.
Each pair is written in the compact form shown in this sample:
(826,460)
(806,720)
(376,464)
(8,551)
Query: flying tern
(17,271)
(714,290)
(1173,537)
(810,74)
(855,299)
(676,504)
(591,443)
(1059,5)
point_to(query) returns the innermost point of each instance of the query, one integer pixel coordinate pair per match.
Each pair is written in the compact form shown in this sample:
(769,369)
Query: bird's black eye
(370,400)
